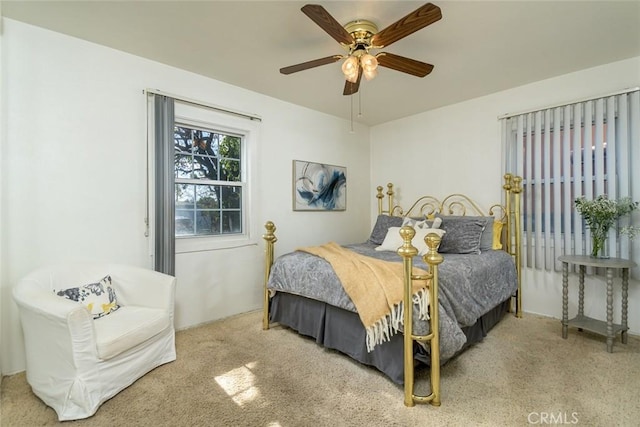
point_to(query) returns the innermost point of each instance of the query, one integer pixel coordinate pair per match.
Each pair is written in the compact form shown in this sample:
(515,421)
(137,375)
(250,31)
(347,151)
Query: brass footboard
(407,251)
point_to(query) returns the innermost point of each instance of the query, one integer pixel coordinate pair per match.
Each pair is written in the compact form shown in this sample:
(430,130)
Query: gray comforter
(469,286)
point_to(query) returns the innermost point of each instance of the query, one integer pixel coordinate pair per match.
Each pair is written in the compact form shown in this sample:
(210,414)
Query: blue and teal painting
(319,186)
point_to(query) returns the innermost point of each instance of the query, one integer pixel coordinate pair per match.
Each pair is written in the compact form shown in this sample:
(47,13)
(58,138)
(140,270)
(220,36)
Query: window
(202,160)
(213,166)
(209,182)
(581,149)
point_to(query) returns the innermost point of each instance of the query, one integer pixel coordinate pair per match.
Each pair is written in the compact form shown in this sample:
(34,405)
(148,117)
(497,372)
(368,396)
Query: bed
(447,250)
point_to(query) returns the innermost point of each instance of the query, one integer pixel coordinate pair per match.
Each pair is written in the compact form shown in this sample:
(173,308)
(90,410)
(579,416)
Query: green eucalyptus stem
(597,245)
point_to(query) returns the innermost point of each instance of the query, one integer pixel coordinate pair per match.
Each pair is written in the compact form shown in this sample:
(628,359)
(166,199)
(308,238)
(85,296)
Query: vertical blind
(585,149)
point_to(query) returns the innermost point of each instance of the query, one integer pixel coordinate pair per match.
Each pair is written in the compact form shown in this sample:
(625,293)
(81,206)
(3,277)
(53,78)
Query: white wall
(73,181)
(457,149)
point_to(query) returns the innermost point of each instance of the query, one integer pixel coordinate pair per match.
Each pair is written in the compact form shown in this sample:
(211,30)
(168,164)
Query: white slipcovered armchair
(76,361)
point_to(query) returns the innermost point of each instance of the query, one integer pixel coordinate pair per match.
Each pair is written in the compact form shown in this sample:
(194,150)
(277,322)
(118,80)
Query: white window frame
(206,118)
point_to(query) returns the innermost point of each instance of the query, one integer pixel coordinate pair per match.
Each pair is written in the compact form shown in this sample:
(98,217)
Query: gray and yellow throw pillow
(99,298)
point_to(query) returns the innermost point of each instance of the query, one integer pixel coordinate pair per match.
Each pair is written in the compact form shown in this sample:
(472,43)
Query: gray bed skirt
(342,330)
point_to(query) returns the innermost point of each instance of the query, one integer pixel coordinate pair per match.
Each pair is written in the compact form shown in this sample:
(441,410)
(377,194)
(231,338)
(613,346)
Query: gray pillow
(486,240)
(462,234)
(383,223)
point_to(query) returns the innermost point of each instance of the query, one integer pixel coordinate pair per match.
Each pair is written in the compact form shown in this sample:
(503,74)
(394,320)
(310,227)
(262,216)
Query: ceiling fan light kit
(350,68)
(359,36)
(369,65)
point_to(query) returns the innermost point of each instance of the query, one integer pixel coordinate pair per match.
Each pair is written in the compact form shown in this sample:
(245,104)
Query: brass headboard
(428,206)
(458,204)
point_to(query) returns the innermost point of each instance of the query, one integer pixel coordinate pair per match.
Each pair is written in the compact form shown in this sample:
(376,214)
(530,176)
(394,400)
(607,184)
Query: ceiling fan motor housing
(361,30)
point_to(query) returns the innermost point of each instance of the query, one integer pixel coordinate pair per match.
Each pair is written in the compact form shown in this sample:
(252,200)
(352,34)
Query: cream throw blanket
(376,289)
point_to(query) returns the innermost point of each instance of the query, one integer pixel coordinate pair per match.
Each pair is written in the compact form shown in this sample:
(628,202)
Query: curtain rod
(564,104)
(205,104)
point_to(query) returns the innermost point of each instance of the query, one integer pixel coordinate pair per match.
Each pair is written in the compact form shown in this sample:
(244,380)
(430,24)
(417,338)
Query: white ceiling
(478,47)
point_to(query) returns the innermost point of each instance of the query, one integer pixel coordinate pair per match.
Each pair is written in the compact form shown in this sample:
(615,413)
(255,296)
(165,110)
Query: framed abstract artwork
(319,187)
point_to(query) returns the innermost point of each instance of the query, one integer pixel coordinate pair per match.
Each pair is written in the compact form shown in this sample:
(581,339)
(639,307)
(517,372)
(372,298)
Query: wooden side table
(608,328)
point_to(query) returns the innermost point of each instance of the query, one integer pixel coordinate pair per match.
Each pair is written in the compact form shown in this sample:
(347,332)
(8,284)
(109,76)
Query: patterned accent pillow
(422,222)
(99,298)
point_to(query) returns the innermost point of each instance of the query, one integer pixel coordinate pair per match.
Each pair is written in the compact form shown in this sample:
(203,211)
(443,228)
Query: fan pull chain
(351,99)
(360,103)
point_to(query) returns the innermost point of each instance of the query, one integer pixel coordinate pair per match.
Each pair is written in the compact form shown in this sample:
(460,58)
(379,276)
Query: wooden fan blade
(351,88)
(310,64)
(416,20)
(406,65)
(320,16)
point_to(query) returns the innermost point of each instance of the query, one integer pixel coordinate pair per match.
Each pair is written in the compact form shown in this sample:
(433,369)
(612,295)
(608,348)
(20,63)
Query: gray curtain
(164,187)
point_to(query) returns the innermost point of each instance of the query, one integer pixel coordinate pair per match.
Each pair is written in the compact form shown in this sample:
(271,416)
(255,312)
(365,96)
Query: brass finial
(407,250)
(270,236)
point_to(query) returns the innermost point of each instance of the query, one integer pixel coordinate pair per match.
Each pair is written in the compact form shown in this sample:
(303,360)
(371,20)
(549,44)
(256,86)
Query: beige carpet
(231,373)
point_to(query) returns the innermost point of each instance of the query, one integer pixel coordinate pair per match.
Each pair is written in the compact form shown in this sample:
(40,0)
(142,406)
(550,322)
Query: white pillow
(393,240)
(437,221)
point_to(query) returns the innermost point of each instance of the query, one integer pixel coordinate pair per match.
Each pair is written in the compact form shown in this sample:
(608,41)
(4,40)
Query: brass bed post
(407,251)
(507,203)
(513,188)
(517,190)
(390,197)
(508,186)
(379,196)
(270,238)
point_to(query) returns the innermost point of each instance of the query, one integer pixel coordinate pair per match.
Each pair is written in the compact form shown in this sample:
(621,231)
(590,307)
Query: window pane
(205,167)
(229,170)
(207,197)
(207,222)
(183,165)
(230,149)
(185,209)
(205,142)
(185,196)
(231,197)
(184,222)
(231,222)
(182,138)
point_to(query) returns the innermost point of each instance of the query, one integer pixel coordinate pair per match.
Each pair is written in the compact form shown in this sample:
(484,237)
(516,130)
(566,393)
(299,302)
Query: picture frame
(319,186)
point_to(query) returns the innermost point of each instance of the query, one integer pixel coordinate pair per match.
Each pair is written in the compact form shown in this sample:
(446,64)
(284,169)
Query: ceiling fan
(360,36)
